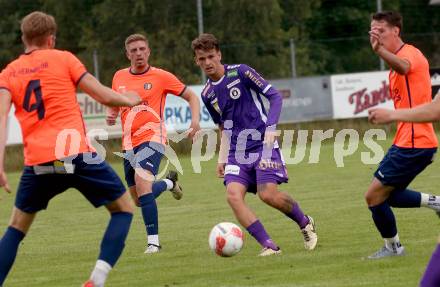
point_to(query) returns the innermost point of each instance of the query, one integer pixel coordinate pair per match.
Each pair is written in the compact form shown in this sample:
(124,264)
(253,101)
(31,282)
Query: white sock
(153,239)
(393,244)
(430,201)
(100,273)
(169,183)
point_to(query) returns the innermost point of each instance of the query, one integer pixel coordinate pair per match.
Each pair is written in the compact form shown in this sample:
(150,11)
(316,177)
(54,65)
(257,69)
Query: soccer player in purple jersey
(250,159)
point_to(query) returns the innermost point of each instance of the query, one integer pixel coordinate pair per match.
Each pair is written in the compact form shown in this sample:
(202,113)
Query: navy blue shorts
(146,156)
(401,165)
(98,182)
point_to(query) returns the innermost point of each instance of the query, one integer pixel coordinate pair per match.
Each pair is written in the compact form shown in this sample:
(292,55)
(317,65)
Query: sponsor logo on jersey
(233,66)
(235,93)
(231,84)
(211,95)
(214,104)
(254,78)
(232,73)
(148,86)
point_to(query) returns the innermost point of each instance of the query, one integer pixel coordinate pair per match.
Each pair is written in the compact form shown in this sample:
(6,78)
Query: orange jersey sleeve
(76,68)
(172,84)
(145,122)
(43,89)
(4,81)
(409,91)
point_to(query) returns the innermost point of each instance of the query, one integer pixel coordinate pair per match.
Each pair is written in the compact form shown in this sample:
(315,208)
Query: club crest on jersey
(235,93)
(148,86)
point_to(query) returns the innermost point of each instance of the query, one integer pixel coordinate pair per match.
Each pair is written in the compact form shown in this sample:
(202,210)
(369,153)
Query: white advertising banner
(354,94)
(177,113)
(177,116)
(14,131)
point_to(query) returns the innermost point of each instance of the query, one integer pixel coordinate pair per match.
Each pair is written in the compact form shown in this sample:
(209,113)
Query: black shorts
(146,156)
(96,180)
(401,165)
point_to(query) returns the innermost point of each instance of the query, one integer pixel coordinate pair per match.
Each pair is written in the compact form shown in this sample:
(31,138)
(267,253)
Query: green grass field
(62,246)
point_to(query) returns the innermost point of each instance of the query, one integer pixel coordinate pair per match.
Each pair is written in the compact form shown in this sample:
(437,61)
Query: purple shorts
(270,170)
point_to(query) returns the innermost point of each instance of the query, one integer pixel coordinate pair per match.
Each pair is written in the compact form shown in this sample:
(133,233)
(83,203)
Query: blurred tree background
(330,36)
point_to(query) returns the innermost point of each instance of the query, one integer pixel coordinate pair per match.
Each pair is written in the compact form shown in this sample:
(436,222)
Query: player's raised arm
(5,103)
(105,95)
(379,38)
(194,105)
(401,66)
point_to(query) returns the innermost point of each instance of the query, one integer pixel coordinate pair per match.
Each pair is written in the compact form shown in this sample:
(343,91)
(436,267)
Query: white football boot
(309,233)
(269,251)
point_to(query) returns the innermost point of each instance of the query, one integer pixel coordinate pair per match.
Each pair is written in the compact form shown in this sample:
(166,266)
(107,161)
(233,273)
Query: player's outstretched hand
(270,137)
(380,116)
(133,98)
(4,182)
(194,128)
(221,169)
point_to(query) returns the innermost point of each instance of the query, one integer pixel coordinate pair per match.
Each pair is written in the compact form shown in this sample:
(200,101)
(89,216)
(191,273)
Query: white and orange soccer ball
(226,239)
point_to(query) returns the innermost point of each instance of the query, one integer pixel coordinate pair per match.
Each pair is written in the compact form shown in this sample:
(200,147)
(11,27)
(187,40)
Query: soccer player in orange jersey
(144,133)
(424,113)
(41,84)
(415,144)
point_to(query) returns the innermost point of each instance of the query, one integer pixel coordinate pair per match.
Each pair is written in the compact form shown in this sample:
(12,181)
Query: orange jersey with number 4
(409,91)
(42,84)
(145,122)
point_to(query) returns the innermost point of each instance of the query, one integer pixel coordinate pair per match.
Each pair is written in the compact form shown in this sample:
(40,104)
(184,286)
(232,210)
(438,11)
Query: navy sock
(114,237)
(149,213)
(406,198)
(8,250)
(159,187)
(384,219)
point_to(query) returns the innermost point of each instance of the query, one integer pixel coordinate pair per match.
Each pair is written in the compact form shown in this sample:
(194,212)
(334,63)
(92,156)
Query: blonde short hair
(135,37)
(36,26)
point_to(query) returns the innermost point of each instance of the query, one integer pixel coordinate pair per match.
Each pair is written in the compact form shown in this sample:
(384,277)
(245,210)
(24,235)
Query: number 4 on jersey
(34,87)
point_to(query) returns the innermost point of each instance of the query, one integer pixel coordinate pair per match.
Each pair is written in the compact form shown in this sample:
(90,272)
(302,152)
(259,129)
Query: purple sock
(257,230)
(432,273)
(298,216)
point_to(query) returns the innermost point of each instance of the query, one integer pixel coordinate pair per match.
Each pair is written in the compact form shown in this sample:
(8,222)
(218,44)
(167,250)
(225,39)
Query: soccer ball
(226,239)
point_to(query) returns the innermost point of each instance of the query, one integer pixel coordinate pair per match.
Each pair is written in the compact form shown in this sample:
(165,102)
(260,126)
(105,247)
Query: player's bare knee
(368,198)
(234,198)
(21,221)
(122,204)
(267,197)
(373,198)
